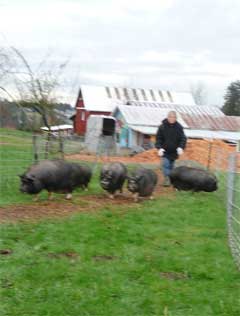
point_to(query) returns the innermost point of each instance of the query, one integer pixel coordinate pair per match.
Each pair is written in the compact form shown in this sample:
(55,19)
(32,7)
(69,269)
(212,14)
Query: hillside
(12,116)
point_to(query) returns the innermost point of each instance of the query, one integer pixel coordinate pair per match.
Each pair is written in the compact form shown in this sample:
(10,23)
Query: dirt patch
(5,252)
(106,159)
(69,255)
(104,258)
(213,154)
(60,207)
(5,283)
(174,275)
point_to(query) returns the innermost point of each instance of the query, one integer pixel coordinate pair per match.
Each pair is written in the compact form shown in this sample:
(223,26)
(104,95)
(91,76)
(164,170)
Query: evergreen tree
(232,99)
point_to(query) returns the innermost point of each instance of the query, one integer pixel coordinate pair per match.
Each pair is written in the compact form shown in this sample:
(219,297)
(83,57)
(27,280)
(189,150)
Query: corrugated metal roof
(97,98)
(57,127)
(235,136)
(203,121)
(230,136)
(135,115)
(182,108)
(203,118)
(148,130)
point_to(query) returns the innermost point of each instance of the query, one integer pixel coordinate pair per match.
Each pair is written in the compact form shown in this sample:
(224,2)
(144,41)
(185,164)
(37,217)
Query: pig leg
(136,197)
(85,187)
(50,196)
(112,195)
(36,198)
(69,196)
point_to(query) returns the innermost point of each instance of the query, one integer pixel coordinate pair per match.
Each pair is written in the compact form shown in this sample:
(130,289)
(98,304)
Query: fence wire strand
(18,153)
(233,206)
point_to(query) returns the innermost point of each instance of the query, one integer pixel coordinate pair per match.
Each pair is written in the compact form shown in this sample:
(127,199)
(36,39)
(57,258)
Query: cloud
(159,43)
(105,78)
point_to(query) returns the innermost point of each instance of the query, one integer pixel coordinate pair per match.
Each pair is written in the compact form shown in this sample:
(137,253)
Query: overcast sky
(165,44)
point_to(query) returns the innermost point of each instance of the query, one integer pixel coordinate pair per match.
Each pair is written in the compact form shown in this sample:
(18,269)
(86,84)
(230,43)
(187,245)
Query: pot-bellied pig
(112,177)
(55,176)
(193,179)
(142,183)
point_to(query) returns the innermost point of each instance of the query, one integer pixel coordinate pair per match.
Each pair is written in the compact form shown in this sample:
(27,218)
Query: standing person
(170,142)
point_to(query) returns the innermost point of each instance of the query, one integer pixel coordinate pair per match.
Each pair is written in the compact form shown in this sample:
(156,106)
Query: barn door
(124,137)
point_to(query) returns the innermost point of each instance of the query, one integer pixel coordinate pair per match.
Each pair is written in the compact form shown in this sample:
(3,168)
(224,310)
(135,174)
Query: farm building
(137,120)
(64,129)
(96,100)
(100,127)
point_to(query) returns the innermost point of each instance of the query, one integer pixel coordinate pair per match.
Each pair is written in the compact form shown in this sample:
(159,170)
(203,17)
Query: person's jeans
(167,166)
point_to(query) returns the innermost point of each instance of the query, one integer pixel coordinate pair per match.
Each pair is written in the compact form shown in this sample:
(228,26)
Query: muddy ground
(59,207)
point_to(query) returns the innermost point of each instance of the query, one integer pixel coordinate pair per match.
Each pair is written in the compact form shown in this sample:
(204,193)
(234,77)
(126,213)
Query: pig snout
(105,184)
(132,186)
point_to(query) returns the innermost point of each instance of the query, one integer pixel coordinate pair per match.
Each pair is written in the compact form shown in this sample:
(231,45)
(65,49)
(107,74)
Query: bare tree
(37,87)
(199,93)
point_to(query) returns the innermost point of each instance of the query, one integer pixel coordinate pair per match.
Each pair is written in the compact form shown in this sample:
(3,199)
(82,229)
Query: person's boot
(166,182)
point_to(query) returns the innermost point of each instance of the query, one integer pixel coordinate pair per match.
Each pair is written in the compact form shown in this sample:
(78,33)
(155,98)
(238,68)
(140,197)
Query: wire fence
(19,150)
(233,206)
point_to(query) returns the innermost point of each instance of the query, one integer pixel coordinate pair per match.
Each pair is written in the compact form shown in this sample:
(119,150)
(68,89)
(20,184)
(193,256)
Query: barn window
(108,92)
(83,116)
(117,93)
(126,93)
(109,126)
(144,95)
(152,95)
(170,96)
(135,94)
(161,95)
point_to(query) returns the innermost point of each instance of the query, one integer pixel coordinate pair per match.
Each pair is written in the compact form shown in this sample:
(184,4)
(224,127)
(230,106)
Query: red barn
(103,100)
(91,100)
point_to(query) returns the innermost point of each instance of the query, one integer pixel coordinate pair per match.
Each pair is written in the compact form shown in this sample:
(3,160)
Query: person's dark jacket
(170,137)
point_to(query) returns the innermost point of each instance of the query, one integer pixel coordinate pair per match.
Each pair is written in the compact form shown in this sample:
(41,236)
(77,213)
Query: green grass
(16,155)
(166,257)
(185,235)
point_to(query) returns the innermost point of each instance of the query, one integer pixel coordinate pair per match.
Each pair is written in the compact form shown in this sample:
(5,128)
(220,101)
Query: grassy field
(16,155)
(165,257)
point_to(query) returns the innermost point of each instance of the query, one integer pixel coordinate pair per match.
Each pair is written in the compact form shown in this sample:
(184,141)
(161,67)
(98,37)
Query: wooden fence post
(48,138)
(35,148)
(209,155)
(61,145)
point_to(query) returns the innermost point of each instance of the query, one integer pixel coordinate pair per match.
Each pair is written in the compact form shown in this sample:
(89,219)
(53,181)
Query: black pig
(142,183)
(193,179)
(55,176)
(112,177)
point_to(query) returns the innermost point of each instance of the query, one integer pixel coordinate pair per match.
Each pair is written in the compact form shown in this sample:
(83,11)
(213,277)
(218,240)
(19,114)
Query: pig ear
(138,178)
(30,178)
